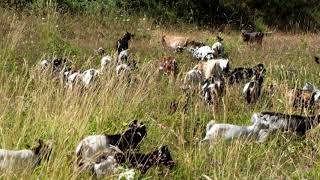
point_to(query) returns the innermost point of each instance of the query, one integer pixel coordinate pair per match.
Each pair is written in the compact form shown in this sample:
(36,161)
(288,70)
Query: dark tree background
(239,14)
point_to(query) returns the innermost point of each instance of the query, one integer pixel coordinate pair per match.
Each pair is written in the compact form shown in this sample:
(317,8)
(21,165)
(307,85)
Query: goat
(253,37)
(213,90)
(214,67)
(87,77)
(13,160)
(229,131)
(143,162)
(123,43)
(192,78)
(91,145)
(56,65)
(123,57)
(286,123)
(218,47)
(175,42)
(239,74)
(126,68)
(306,97)
(252,90)
(168,65)
(203,53)
(100,51)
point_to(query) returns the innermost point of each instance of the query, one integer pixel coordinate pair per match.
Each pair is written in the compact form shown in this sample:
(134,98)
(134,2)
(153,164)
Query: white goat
(15,160)
(214,67)
(87,77)
(125,68)
(203,53)
(44,64)
(110,166)
(229,131)
(218,47)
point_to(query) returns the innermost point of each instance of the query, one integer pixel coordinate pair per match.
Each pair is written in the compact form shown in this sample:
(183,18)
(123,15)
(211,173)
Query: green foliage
(260,25)
(249,14)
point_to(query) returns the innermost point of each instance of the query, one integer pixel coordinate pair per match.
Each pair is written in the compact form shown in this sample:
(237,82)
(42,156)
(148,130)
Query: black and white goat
(143,162)
(252,90)
(123,57)
(240,74)
(213,90)
(15,160)
(286,123)
(123,43)
(91,145)
(54,67)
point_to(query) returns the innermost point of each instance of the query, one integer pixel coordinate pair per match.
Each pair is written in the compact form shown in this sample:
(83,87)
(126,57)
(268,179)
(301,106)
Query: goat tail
(209,125)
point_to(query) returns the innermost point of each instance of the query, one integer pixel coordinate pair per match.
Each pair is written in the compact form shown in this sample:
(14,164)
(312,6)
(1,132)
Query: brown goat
(168,65)
(174,42)
(301,98)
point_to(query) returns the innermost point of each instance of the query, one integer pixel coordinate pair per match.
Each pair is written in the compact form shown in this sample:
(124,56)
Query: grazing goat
(218,47)
(87,77)
(123,57)
(203,53)
(100,51)
(306,97)
(213,90)
(175,42)
(286,123)
(123,43)
(91,145)
(229,131)
(214,67)
(253,37)
(252,90)
(56,65)
(193,78)
(239,74)
(14,160)
(143,162)
(105,162)
(168,65)
(126,68)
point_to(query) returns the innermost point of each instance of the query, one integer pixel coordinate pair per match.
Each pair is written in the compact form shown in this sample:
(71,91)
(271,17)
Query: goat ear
(133,123)
(40,142)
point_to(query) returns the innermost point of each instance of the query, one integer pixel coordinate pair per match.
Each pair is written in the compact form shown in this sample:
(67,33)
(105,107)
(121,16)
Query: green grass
(33,108)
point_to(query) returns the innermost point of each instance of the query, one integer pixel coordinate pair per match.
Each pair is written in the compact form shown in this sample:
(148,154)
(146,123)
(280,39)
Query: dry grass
(32,108)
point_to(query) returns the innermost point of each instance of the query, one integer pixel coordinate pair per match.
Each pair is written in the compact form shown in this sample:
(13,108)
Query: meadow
(35,107)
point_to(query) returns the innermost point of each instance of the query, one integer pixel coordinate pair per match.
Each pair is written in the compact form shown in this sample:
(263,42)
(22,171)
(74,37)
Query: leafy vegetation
(296,15)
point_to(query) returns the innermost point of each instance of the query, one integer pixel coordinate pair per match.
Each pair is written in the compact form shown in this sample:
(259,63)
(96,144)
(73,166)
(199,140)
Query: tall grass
(35,107)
